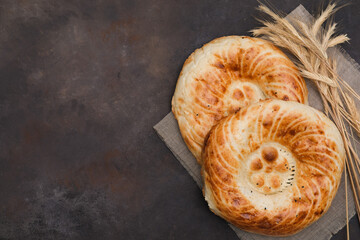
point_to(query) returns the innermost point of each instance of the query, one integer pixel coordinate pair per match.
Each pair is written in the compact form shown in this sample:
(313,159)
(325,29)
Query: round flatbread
(225,75)
(273,167)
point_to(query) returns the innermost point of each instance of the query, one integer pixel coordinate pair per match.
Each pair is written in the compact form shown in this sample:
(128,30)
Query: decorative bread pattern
(273,167)
(226,74)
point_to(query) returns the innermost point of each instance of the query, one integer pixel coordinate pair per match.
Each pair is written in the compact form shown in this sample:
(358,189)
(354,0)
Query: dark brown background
(82,84)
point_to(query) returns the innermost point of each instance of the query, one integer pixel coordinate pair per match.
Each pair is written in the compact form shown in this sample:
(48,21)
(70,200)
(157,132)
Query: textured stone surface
(81,85)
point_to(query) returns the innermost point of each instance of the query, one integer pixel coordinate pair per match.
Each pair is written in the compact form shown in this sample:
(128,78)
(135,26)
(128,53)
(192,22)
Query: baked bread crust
(226,74)
(272,168)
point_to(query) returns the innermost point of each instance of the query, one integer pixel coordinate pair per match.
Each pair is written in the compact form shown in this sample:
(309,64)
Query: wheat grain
(309,44)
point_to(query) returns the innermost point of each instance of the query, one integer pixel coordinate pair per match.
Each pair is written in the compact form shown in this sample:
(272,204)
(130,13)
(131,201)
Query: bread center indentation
(271,168)
(241,93)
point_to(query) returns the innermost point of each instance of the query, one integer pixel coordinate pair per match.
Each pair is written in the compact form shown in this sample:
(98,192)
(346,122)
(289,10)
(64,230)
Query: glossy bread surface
(273,167)
(226,74)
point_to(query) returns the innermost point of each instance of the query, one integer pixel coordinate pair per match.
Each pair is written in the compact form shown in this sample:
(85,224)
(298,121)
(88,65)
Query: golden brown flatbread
(226,74)
(273,167)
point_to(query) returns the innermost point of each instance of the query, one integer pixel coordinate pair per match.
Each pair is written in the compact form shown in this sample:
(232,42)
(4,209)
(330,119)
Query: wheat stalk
(309,44)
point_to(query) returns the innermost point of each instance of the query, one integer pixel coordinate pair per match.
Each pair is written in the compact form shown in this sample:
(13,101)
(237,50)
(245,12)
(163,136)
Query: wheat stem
(309,43)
